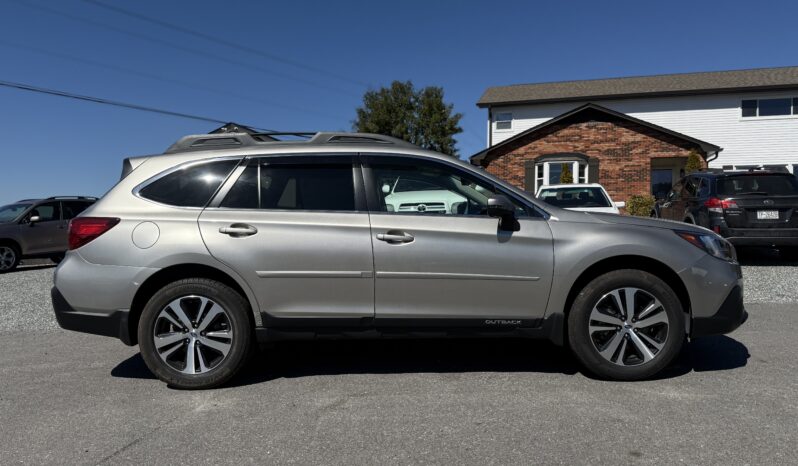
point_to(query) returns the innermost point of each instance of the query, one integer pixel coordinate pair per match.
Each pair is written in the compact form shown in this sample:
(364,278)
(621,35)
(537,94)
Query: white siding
(711,118)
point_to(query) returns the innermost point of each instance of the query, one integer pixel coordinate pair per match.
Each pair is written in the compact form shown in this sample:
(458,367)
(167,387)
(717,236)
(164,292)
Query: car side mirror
(620,204)
(386,189)
(501,207)
(33,219)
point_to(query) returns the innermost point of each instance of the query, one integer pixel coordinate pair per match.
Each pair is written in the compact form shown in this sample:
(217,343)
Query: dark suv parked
(754,208)
(37,228)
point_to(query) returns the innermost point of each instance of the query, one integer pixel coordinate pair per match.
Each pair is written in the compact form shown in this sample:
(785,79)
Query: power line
(201,53)
(115,103)
(135,72)
(222,41)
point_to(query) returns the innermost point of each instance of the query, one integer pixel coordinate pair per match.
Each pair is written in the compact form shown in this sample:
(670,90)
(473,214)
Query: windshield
(774,185)
(574,197)
(10,212)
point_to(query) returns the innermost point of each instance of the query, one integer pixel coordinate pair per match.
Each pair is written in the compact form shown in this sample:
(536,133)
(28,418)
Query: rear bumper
(761,236)
(113,324)
(729,317)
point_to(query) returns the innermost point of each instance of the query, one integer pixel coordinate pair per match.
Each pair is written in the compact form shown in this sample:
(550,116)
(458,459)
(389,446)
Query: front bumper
(114,324)
(729,317)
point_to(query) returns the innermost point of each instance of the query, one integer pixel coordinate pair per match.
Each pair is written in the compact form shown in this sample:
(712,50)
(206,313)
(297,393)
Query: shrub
(640,205)
(694,162)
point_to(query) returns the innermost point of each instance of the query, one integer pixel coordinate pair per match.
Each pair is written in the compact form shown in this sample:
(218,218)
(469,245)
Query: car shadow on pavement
(763,256)
(312,358)
(28,268)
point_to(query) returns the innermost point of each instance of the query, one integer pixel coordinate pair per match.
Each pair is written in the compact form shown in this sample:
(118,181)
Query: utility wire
(222,41)
(135,72)
(115,103)
(201,53)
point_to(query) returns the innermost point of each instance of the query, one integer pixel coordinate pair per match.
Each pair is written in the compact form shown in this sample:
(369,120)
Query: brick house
(597,145)
(633,135)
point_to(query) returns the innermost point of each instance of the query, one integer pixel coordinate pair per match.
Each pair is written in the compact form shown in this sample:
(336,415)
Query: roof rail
(92,198)
(235,140)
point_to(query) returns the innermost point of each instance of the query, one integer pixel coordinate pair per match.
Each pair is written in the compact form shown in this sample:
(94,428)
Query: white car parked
(590,197)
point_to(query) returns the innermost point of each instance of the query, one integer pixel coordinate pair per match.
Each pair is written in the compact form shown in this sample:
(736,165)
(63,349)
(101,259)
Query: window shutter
(593,170)
(529,176)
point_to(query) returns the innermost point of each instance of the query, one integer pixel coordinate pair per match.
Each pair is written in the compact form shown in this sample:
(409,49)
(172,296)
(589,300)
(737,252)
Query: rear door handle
(238,230)
(395,237)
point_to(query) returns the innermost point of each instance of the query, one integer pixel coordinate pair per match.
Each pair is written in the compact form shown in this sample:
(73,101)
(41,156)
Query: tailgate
(763,212)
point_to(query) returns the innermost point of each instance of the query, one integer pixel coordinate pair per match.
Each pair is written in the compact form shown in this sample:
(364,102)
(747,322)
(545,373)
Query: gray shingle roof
(665,84)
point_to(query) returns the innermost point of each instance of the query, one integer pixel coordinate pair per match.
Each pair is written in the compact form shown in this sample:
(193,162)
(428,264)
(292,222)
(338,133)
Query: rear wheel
(9,258)
(626,325)
(195,333)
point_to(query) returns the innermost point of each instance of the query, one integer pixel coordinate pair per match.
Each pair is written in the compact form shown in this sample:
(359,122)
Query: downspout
(714,156)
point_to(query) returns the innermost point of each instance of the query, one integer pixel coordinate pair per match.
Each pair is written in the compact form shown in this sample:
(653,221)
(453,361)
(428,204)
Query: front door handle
(238,230)
(395,237)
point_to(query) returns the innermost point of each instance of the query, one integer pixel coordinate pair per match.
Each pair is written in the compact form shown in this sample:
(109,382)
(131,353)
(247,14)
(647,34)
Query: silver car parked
(230,239)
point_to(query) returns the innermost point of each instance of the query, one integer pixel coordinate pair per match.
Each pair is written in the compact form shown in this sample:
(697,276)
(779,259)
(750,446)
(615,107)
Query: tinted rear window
(191,186)
(774,185)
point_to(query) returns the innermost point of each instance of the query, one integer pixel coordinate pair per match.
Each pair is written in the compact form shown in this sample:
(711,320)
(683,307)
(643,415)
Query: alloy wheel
(193,334)
(7,258)
(628,326)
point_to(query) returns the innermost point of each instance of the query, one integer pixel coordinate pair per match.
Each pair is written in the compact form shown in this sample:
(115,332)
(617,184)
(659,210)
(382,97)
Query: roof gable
(660,85)
(585,110)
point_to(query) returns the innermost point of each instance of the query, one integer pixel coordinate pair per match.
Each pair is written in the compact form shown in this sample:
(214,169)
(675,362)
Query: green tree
(419,116)
(566,177)
(694,162)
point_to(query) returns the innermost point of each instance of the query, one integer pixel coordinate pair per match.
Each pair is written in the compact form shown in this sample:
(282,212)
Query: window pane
(72,208)
(749,108)
(772,107)
(307,187)
(795,106)
(191,186)
(504,121)
(555,171)
(661,181)
(244,194)
(46,212)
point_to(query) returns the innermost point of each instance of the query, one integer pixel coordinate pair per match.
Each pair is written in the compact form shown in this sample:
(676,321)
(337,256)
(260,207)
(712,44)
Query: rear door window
(769,185)
(191,186)
(73,208)
(267,184)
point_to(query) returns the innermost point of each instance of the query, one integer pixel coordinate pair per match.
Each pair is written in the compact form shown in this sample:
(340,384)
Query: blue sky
(325,55)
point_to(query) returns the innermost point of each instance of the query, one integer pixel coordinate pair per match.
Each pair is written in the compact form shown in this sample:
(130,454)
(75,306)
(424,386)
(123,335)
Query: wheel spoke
(228,334)
(649,309)
(641,348)
(658,318)
(629,312)
(168,338)
(622,352)
(201,360)
(657,345)
(208,318)
(191,368)
(219,346)
(612,345)
(180,313)
(171,350)
(605,319)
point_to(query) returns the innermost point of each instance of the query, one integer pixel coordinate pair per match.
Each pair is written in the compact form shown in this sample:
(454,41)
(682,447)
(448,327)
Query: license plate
(767,214)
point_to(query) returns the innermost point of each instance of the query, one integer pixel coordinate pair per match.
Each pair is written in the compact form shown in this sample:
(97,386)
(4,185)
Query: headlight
(711,243)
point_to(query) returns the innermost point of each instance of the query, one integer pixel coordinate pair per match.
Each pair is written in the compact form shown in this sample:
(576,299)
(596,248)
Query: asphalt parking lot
(70,398)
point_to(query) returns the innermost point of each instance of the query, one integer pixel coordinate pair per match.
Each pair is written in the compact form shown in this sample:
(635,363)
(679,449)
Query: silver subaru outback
(227,240)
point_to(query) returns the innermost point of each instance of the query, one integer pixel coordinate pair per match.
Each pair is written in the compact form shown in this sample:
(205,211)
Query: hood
(646,222)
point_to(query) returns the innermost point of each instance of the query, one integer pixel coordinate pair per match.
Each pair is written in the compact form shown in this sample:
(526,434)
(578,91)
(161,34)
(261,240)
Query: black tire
(236,319)
(585,348)
(9,257)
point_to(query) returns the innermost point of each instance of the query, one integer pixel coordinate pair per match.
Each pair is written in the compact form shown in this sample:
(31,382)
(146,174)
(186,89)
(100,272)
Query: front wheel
(626,325)
(195,333)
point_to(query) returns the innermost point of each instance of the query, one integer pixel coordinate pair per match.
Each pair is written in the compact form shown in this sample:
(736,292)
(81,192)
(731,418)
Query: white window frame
(575,166)
(503,117)
(792,115)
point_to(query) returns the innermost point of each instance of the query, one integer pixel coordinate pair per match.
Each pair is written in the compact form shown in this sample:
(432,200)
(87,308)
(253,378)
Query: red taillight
(83,230)
(714,204)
